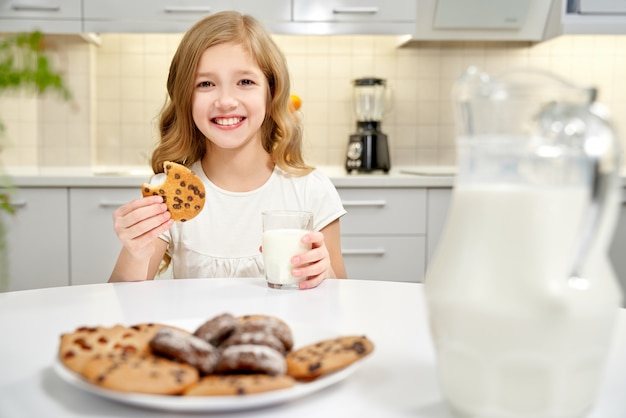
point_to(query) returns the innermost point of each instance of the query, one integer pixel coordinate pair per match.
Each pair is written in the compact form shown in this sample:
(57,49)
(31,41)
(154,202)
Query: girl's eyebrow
(240,73)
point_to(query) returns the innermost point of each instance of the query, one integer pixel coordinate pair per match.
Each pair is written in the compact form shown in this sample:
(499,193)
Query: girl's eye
(204,84)
(246,82)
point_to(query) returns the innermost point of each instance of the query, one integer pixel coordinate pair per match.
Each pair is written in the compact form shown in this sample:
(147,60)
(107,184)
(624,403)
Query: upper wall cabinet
(594,16)
(173,15)
(353,17)
(486,20)
(163,16)
(50,16)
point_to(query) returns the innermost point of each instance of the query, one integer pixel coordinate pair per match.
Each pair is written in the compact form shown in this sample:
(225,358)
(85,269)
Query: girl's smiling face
(230,97)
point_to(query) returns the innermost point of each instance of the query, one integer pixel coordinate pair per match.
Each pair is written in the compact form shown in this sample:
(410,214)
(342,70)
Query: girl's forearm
(130,269)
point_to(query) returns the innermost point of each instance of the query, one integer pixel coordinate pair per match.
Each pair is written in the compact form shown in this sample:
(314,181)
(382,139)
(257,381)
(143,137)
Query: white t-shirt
(224,239)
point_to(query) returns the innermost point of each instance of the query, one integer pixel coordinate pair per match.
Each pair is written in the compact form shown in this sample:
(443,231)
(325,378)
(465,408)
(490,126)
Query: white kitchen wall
(45,131)
(119,88)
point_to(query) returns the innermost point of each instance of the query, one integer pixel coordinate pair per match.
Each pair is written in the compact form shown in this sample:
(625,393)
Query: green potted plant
(24,65)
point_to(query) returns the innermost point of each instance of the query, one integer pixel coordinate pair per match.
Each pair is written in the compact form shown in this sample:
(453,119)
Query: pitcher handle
(605,165)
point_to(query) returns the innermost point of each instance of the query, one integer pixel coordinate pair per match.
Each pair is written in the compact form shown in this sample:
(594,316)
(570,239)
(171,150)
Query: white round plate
(215,403)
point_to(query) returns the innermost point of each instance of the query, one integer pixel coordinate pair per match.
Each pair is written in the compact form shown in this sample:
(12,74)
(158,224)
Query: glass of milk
(282,239)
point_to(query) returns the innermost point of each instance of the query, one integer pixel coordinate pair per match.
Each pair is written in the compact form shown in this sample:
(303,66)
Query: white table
(398,380)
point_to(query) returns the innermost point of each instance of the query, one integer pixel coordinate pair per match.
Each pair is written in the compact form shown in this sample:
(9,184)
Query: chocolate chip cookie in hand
(182,191)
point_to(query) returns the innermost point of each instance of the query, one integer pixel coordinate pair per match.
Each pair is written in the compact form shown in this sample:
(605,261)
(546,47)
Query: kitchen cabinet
(94,246)
(50,16)
(177,16)
(354,16)
(594,17)
(172,15)
(438,206)
(617,251)
(64,235)
(37,238)
(486,20)
(384,233)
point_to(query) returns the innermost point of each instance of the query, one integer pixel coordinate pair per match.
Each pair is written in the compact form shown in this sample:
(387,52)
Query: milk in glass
(282,240)
(279,246)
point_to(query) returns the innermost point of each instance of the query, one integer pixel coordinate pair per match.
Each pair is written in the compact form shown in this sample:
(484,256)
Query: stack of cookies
(226,355)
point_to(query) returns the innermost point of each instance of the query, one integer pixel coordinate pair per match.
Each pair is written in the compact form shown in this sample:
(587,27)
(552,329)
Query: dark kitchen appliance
(368,149)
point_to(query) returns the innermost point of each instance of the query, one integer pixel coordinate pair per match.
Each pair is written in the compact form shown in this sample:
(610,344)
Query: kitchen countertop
(400,176)
(405,176)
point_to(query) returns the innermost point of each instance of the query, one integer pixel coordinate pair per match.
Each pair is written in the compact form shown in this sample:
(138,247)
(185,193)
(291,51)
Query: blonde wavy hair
(181,141)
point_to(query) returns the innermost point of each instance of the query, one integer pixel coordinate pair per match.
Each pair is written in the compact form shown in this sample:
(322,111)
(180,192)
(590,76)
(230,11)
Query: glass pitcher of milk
(521,295)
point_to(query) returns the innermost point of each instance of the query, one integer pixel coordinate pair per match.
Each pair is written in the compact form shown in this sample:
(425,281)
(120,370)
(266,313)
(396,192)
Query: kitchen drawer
(94,246)
(37,238)
(354,10)
(383,211)
(382,257)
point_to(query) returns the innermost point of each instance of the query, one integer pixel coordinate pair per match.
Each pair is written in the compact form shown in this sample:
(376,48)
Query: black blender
(368,149)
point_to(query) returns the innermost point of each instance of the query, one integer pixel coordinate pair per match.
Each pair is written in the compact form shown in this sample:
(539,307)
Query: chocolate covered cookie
(217,329)
(268,323)
(251,358)
(254,337)
(185,347)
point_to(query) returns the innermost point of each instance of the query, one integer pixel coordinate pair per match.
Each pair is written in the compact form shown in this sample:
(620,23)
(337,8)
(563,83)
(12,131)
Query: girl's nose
(226,100)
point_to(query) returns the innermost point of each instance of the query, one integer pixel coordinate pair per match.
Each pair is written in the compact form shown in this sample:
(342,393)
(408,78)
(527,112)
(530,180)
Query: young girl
(228,120)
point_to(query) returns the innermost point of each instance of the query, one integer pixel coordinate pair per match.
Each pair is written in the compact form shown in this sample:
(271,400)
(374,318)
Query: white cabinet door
(331,17)
(383,211)
(51,16)
(172,15)
(438,205)
(594,17)
(354,10)
(37,238)
(382,257)
(93,244)
(602,6)
(383,233)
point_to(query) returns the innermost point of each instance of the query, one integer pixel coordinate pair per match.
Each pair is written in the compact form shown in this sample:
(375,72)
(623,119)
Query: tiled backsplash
(119,88)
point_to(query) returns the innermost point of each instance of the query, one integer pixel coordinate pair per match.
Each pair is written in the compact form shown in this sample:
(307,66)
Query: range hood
(486,20)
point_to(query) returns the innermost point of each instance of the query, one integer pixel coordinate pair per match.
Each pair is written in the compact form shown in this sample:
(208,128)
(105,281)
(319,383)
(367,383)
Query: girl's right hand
(138,223)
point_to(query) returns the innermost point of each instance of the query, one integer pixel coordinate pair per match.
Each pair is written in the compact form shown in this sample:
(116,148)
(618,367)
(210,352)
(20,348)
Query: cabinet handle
(188,9)
(356,10)
(373,251)
(376,203)
(110,204)
(18,204)
(36,7)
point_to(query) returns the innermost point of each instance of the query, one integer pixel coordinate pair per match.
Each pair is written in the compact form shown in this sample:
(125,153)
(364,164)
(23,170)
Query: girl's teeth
(227,121)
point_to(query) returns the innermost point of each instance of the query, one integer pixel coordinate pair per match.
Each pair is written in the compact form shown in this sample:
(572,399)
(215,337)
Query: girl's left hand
(314,264)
